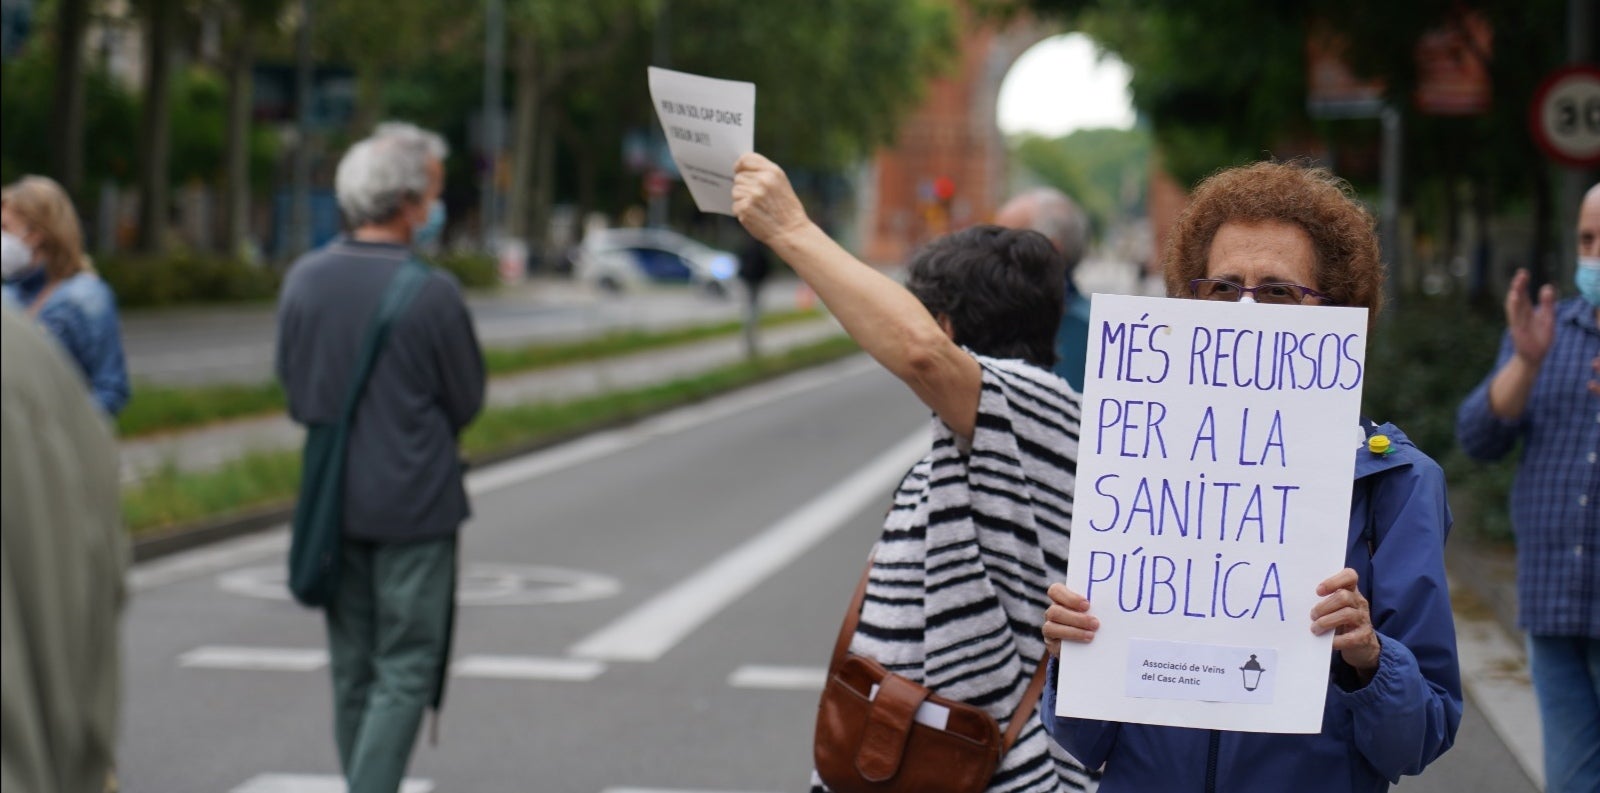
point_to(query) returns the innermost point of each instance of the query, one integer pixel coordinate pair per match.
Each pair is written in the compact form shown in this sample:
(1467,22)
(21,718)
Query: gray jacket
(403,481)
(62,558)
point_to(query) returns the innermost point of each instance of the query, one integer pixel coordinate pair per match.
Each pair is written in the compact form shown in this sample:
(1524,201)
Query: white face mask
(15,255)
(1247,298)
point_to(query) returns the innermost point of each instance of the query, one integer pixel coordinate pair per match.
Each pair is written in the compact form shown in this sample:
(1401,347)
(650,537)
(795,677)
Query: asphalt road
(648,610)
(235,343)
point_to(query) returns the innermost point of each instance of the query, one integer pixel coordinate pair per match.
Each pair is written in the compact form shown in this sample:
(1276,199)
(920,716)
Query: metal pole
(660,56)
(1389,213)
(494,73)
(1574,181)
(300,213)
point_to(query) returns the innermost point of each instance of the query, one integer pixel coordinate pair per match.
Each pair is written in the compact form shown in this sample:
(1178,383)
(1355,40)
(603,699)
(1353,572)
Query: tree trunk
(1479,292)
(1452,219)
(236,180)
(369,108)
(156,128)
(524,137)
(544,183)
(1543,214)
(583,152)
(72,18)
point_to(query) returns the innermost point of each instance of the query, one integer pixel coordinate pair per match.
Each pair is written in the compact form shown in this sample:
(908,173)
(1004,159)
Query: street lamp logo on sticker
(1251,671)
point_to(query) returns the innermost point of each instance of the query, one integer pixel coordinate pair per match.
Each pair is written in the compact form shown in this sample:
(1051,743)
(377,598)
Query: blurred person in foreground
(1051,213)
(46,272)
(1283,234)
(1545,391)
(389,624)
(62,559)
(972,333)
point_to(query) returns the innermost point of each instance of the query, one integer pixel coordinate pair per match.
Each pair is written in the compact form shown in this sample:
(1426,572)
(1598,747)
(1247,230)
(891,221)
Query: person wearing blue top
(1051,213)
(47,275)
(1545,391)
(1277,233)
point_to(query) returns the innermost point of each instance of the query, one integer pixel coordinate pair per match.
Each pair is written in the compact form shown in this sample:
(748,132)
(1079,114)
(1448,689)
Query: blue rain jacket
(82,315)
(1397,724)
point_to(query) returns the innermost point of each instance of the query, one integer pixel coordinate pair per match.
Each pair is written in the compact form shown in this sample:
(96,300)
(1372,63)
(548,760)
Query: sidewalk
(1494,660)
(204,448)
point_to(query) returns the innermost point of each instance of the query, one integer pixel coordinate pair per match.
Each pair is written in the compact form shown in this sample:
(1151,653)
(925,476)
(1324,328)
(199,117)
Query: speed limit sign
(1565,116)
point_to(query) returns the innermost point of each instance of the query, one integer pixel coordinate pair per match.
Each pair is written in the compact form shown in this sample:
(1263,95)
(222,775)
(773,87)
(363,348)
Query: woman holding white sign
(1275,233)
(979,526)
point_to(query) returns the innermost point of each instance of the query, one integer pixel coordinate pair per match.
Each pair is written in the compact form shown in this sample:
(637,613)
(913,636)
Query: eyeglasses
(1230,292)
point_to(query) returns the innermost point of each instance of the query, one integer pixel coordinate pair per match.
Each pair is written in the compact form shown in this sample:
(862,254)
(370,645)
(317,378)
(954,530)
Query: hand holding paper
(1346,612)
(763,199)
(1067,619)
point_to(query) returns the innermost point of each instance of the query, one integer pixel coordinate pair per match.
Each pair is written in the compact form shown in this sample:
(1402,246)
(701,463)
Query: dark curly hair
(1001,288)
(1319,203)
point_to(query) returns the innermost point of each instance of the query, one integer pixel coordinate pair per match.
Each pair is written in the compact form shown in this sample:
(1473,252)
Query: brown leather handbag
(868,739)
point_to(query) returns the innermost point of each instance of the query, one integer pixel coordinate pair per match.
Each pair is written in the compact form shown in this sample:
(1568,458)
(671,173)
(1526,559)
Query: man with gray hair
(1051,213)
(389,617)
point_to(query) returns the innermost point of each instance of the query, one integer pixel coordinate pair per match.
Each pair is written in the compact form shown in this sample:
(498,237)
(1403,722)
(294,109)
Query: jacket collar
(28,286)
(1579,312)
(1404,453)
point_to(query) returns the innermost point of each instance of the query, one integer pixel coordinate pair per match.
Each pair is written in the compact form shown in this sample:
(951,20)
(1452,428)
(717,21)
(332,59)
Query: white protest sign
(1213,496)
(709,124)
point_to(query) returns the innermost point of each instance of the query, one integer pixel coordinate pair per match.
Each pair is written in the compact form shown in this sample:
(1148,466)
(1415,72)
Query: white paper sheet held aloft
(709,124)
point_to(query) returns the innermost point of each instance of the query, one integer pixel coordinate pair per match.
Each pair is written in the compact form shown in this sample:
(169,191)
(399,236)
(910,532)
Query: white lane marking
(599,445)
(477,585)
(523,667)
(782,678)
(649,631)
(317,783)
(207,560)
(278,659)
(229,554)
(1494,672)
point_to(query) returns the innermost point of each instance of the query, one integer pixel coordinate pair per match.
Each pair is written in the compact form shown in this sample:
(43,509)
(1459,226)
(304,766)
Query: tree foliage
(26,94)
(1224,81)
(1097,167)
(835,77)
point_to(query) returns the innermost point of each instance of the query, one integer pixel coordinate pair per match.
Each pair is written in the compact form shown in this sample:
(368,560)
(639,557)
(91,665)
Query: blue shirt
(1072,339)
(81,313)
(1555,501)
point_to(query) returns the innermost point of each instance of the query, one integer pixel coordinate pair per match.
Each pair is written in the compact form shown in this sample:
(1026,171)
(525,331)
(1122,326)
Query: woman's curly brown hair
(1341,229)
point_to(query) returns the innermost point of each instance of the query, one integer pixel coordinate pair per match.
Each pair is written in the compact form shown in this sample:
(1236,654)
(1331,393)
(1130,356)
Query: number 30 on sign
(1565,116)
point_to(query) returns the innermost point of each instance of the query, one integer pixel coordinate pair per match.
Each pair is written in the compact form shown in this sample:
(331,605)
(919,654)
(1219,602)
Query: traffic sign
(1565,116)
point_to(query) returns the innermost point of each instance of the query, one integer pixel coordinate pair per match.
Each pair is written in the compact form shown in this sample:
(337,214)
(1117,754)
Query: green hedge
(144,281)
(184,277)
(1423,360)
(474,270)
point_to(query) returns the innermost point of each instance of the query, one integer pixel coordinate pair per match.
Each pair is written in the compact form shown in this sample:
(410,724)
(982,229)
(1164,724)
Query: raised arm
(1532,329)
(885,319)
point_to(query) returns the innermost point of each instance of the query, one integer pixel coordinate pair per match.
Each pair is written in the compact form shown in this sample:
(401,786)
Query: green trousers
(388,642)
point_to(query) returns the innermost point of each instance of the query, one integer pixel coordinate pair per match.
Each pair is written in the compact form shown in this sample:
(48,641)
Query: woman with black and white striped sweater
(980,526)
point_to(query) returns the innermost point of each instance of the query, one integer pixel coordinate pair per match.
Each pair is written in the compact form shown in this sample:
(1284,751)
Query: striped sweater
(956,595)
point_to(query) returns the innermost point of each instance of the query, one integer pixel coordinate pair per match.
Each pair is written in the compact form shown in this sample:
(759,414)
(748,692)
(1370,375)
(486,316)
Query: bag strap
(396,298)
(1030,699)
(852,618)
